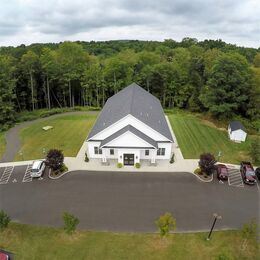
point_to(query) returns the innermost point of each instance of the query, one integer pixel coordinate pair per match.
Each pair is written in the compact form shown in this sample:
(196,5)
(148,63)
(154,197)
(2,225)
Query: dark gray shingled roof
(235,125)
(138,102)
(132,130)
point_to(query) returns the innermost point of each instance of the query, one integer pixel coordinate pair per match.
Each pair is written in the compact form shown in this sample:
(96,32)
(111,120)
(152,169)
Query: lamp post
(216,216)
(43,151)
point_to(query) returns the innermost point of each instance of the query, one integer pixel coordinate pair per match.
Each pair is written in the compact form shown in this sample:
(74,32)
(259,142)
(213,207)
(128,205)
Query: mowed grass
(32,242)
(196,136)
(2,143)
(68,135)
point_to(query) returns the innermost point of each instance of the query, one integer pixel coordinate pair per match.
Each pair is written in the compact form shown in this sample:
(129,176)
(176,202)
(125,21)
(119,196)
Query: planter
(58,173)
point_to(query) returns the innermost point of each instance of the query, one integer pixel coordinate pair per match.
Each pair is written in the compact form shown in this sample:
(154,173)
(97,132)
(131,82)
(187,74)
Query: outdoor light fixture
(216,216)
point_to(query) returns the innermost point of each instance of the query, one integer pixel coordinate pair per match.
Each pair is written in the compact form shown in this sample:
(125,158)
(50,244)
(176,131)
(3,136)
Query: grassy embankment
(68,134)
(32,242)
(2,143)
(196,135)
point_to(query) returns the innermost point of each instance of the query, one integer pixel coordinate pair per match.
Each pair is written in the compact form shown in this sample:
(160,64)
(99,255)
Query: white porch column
(137,156)
(120,156)
(104,157)
(153,154)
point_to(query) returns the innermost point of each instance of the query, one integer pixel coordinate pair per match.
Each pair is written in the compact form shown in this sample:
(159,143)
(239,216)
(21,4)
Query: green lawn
(196,136)
(68,134)
(32,242)
(2,143)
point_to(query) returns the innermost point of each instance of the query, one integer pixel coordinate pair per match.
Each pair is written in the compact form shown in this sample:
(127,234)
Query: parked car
(248,173)
(257,173)
(37,168)
(222,172)
(4,256)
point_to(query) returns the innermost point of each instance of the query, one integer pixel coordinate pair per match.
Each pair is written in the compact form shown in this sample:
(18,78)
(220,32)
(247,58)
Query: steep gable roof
(137,102)
(236,125)
(133,130)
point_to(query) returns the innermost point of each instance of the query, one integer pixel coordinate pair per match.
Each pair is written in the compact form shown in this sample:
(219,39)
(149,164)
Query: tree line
(208,76)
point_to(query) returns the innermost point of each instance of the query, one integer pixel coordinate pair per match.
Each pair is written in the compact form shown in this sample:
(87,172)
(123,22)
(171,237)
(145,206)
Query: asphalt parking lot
(18,175)
(124,201)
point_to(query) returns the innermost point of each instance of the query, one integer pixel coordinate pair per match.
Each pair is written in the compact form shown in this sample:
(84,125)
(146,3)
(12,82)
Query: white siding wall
(106,152)
(120,151)
(128,139)
(130,120)
(143,156)
(91,153)
(167,147)
(238,135)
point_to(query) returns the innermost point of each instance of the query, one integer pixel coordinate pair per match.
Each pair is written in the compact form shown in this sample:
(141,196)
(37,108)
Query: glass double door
(129,159)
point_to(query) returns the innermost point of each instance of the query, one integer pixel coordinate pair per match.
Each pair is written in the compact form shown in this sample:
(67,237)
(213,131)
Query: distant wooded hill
(207,76)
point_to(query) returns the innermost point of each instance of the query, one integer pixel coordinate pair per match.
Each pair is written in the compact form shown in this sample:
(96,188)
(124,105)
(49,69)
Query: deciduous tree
(29,61)
(165,224)
(54,159)
(207,163)
(226,92)
(7,84)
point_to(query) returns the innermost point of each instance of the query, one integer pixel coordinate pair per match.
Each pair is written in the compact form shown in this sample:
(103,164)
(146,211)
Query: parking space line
(27,175)
(235,178)
(6,175)
(234,175)
(257,187)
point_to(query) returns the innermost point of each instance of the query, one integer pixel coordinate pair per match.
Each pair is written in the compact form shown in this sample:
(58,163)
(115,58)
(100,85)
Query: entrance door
(129,159)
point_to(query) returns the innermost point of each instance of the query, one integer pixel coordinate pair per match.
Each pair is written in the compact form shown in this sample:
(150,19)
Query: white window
(146,152)
(112,152)
(161,151)
(97,150)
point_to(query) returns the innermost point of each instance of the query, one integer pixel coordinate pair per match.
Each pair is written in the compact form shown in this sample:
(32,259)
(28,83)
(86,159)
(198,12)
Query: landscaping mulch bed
(57,173)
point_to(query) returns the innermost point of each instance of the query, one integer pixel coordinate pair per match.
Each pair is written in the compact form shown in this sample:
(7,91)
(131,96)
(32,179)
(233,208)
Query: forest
(202,76)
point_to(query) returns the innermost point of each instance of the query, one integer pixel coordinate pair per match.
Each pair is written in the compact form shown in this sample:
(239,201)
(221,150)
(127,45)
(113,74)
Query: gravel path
(13,142)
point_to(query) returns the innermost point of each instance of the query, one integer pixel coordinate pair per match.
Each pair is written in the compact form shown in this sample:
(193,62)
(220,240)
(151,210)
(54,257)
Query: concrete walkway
(13,142)
(175,147)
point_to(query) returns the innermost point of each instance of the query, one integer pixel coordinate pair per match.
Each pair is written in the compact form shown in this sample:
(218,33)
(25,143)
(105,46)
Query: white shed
(236,131)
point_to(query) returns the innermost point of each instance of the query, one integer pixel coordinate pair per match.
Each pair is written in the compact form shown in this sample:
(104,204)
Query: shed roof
(132,130)
(236,125)
(138,102)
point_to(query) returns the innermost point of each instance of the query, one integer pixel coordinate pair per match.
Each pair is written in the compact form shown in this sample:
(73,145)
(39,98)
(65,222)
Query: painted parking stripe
(6,175)
(258,190)
(27,175)
(233,175)
(235,178)
(232,181)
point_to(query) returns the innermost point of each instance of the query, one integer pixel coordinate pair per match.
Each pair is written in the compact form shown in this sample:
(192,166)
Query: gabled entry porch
(128,156)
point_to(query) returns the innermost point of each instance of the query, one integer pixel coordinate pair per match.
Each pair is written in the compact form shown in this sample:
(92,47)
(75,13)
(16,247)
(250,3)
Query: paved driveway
(128,201)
